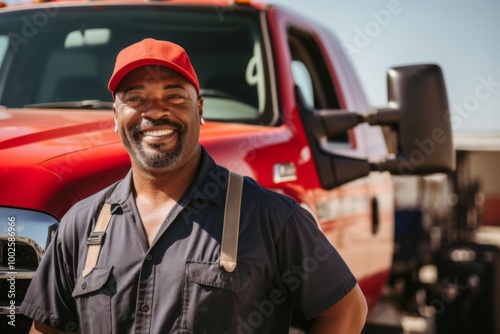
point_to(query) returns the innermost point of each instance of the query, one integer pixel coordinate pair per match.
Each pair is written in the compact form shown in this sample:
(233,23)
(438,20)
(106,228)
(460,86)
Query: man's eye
(174,97)
(134,99)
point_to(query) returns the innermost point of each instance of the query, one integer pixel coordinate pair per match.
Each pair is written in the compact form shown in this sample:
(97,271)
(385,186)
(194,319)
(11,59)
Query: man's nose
(156,109)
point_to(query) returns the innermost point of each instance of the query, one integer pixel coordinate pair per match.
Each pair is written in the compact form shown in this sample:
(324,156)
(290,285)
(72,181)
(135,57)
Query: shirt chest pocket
(211,297)
(93,300)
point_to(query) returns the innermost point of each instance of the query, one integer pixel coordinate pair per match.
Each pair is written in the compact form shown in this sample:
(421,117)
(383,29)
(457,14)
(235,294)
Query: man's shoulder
(89,206)
(257,195)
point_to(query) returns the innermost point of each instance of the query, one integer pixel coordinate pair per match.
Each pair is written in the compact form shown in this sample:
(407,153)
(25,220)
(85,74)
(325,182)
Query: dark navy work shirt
(177,285)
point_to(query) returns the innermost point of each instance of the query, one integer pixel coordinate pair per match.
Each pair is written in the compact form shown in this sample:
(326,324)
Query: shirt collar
(209,184)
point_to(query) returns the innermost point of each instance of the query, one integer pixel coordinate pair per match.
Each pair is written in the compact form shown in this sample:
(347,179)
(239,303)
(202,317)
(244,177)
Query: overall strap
(230,230)
(96,239)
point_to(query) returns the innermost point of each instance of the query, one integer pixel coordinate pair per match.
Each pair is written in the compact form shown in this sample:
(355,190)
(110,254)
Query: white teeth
(158,133)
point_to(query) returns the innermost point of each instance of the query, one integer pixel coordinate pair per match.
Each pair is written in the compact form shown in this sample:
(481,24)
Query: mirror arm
(337,122)
(384,117)
(392,166)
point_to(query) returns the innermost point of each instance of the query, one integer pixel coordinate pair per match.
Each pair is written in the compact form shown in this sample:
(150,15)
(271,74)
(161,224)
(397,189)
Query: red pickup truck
(282,101)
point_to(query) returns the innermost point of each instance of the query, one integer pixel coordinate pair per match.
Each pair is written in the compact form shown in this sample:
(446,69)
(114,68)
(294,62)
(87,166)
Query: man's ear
(115,118)
(200,106)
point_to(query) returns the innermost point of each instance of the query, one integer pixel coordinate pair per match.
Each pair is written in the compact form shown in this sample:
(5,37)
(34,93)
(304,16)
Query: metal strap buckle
(96,238)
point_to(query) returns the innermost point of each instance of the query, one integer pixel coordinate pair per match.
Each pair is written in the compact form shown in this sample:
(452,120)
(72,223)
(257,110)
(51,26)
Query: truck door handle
(375,215)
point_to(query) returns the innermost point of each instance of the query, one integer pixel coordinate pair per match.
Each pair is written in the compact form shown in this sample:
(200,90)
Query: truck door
(356,217)
(340,212)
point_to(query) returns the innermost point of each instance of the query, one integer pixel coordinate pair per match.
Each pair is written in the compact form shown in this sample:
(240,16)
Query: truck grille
(17,267)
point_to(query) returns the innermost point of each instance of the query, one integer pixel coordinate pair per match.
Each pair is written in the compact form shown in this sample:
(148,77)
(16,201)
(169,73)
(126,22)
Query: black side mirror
(418,113)
(425,143)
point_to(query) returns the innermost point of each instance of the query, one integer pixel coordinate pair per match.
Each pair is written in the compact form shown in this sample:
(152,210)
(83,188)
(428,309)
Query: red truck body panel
(50,159)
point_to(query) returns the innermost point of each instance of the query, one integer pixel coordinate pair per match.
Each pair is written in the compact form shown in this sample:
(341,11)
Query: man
(159,268)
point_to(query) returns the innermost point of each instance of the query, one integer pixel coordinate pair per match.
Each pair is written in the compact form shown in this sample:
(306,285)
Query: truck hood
(32,136)
(72,154)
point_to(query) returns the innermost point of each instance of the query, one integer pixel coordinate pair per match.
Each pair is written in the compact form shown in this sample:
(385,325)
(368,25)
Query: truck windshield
(63,57)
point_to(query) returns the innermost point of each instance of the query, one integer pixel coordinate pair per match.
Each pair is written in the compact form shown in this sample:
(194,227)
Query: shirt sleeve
(313,272)
(48,299)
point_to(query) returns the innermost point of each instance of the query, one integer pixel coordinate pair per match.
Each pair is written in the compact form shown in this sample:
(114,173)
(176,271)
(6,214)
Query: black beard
(159,160)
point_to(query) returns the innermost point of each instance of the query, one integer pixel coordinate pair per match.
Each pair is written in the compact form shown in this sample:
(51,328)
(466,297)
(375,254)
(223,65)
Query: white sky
(461,36)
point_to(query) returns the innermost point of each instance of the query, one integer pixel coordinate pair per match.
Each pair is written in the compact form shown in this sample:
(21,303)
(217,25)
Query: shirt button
(224,276)
(149,257)
(144,308)
(84,285)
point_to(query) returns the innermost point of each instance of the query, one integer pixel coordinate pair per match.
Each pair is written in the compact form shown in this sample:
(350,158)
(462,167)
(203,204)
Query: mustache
(149,124)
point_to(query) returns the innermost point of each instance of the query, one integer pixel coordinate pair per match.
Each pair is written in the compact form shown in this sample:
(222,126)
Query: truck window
(305,51)
(311,74)
(302,78)
(4,43)
(71,57)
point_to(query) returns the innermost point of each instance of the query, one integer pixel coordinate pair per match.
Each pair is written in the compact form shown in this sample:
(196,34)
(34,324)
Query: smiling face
(157,115)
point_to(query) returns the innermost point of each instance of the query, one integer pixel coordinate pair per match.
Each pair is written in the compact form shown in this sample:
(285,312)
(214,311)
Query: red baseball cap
(152,52)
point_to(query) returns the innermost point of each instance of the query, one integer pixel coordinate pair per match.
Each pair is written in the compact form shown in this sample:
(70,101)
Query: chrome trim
(17,274)
(284,172)
(5,310)
(4,239)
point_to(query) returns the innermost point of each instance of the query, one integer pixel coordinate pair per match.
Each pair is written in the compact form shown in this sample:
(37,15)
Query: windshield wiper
(86,104)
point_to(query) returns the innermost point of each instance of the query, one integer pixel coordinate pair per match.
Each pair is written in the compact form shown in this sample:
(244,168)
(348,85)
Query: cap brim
(118,76)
